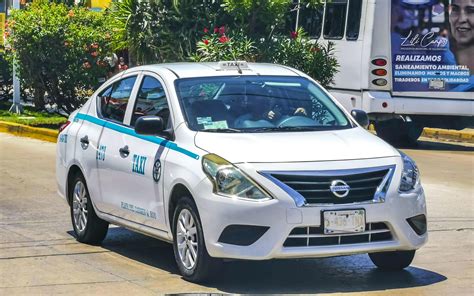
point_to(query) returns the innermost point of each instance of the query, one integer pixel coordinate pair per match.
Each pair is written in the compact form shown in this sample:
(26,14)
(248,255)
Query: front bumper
(281,216)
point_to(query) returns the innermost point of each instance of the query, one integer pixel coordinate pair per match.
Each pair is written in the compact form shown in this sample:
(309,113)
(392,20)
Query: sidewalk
(465,135)
(22,130)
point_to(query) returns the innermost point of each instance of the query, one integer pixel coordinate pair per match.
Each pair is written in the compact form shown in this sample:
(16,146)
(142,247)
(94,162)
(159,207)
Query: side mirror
(149,125)
(361,117)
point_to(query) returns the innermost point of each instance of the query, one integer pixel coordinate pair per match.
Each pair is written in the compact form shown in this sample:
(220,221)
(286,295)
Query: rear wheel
(194,262)
(88,228)
(396,260)
(399,132)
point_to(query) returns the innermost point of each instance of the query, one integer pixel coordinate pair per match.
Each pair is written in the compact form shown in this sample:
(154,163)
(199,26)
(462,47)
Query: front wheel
(194,262)
(396,260)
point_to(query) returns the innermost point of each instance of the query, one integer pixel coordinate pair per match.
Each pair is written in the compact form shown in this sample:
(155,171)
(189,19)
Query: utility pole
(297,16)
(16,107)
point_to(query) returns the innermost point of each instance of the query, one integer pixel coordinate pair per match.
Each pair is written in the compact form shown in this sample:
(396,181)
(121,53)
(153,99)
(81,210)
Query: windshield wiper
(284,128)
(222,130)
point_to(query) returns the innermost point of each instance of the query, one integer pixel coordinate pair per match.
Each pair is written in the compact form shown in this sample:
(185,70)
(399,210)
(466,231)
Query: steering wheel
(296,121)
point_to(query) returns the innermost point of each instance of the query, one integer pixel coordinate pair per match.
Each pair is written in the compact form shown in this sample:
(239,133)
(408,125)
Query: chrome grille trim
(370,232)
(376,232)
(298,194)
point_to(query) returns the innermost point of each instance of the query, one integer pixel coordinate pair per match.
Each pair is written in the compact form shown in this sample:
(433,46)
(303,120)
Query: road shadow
(139,247)
(423,144)
(328,275)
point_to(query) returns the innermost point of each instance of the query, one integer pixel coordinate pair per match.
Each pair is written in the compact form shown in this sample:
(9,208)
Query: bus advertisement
(432,47)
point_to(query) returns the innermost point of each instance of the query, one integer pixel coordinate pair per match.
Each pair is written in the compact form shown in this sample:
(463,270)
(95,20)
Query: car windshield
(257,104)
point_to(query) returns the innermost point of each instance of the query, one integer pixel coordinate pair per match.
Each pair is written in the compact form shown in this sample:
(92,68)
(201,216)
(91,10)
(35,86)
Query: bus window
(353,19)
(311,19)
(335,19)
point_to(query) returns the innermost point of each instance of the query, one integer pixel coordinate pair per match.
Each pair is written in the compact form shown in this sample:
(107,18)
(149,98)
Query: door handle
(124,151)
(84,142)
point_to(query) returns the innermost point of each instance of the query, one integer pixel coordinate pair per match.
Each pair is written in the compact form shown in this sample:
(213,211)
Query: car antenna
(238,68)
(237,63)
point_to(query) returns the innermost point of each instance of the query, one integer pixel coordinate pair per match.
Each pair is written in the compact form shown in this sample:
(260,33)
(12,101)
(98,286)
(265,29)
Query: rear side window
(114,100)
(353,19)
(151,100)
(335,19)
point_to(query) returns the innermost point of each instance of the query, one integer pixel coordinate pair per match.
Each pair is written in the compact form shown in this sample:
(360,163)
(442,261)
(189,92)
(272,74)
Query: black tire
(399,132)
(95,228)
(396,260)
(204,265)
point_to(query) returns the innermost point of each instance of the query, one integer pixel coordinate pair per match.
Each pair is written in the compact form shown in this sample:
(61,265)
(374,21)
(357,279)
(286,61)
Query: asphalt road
(39,255)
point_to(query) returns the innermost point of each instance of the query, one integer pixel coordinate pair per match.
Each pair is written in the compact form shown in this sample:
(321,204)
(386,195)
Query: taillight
(379,72)
(63,126)
(379,82)
(379,62)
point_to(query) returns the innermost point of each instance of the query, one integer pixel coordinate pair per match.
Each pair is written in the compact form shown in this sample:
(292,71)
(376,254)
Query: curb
(443,134)
(50,135)
(452,135)
(22,130)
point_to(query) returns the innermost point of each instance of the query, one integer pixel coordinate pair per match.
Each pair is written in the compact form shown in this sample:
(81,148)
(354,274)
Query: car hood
(349,144)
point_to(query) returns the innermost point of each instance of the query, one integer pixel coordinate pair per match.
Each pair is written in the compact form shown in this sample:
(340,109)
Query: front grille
(314,236)
(315,188)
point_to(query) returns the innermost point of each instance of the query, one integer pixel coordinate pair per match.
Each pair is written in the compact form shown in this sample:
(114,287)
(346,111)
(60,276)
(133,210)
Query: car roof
(188,70)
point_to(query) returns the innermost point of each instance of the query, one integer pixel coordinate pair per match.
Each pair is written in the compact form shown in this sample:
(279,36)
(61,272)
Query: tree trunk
(38,99)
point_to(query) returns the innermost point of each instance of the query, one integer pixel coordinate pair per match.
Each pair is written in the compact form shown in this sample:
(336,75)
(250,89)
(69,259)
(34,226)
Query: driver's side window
(151,100)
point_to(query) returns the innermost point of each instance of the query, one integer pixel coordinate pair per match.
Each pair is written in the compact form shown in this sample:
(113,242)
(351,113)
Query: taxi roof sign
(233,65)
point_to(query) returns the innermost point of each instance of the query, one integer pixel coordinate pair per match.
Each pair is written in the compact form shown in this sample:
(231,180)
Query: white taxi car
(237,160)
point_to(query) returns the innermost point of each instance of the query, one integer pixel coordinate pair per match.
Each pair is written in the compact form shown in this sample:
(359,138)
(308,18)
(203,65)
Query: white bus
(407,63)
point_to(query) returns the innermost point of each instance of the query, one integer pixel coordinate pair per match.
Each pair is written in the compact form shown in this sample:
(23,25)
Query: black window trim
(161,81)
(345,24)
(360,21)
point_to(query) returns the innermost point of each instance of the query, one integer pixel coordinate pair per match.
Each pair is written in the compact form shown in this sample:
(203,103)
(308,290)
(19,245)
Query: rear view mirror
(361,117)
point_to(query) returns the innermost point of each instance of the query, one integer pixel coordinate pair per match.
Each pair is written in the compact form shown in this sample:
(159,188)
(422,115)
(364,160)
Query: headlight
(410,174)
(229,181)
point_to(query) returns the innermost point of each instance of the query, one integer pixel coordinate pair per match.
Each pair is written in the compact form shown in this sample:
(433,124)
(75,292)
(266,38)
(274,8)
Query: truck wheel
(398,132)
(194,262)
(88,228)
(396,260)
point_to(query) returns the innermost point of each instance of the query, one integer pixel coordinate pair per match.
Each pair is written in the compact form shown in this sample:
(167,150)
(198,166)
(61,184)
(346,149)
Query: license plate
(347,221)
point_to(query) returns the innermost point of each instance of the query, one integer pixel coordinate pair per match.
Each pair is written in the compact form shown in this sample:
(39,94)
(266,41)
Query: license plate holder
(343,221)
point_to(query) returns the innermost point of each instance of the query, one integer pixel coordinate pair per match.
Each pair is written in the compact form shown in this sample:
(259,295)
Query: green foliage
(31,117)
(5,78)
(162,31)
(304,54)
(258,17)
(221,46)
(263,18)
(59,51)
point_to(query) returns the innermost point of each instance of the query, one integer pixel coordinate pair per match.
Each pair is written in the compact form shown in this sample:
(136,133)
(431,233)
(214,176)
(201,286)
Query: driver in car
(290,107)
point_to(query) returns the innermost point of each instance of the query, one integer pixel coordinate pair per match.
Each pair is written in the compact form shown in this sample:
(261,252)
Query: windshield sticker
(216,125)
(203,120)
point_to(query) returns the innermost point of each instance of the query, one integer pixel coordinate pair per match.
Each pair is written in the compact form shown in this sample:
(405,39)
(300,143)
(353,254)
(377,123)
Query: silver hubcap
(79,206)
(186,238)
